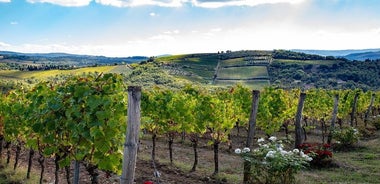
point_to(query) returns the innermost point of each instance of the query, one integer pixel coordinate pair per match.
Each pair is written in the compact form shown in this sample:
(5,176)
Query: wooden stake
(132,136)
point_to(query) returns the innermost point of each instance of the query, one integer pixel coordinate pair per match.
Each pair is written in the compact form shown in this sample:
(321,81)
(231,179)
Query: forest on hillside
(291,69)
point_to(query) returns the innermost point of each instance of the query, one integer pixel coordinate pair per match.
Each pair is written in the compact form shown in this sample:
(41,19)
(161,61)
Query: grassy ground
(19,75)
(18,176)
(202,65)
(237,61)
(359,165)
(306,62)
(243,72)
(355,166)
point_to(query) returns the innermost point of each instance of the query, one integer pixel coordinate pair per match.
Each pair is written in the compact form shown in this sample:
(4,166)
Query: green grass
(243,72)
(202,65)
(19,75)
(236,61)
(201,59)
(8,175)
(307,62)
(360,165)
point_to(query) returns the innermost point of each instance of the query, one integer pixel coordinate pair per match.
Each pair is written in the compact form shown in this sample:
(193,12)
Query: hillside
(351,54)
(285,69)
(63,59)
(336,53)
(254,69)
(223,68)
(364,56)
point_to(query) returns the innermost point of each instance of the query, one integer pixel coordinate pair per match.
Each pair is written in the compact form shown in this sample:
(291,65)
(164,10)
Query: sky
(120,28)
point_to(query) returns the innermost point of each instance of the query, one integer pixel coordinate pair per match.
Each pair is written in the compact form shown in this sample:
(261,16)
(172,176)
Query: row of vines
(83,119)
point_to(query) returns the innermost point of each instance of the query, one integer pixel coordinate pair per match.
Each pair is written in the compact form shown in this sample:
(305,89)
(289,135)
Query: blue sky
(155,27)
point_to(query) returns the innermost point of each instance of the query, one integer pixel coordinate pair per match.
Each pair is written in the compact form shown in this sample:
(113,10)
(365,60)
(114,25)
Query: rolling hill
(254,69)
(352,54)
(363,56)
(64,59)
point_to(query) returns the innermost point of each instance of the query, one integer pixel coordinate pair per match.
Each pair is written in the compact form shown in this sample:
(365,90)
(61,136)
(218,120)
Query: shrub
(346,137)
(321,153)
(272,164)
(376,123)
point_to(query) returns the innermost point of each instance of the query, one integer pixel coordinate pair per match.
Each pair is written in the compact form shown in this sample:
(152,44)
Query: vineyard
(81,122)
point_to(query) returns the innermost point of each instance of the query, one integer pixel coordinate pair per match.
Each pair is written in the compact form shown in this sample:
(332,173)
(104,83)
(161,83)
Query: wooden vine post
(353,112)
(333,119)
(132,136)
(251,132)
(298,136)
(369,110)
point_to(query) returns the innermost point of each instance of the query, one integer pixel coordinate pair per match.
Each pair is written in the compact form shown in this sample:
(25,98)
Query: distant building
(1,57)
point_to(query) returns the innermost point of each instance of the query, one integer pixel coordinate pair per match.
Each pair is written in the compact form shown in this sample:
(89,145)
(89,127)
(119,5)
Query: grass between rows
(358,165)
(18,176)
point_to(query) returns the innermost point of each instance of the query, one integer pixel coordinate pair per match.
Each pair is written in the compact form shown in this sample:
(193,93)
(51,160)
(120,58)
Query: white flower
(237,151)
(279,146)
(296,151)
(256,150)
(273,138)
(265,145)
(246,150)
(270,154)
(261,140)
(338,142)
(283,152)
(307,158)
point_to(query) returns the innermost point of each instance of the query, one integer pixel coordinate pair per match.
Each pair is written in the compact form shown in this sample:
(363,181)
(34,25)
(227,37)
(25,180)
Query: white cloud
(63,2)
(162,37)
(223,3)
(3,46)
(376,30)
(152,14)
(176,31)
(165,3)
(212,32)
(213,39)
(5,1)
(198,3)
(132,3)
(14,23)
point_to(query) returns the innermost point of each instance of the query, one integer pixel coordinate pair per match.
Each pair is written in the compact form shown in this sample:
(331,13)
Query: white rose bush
(272,164)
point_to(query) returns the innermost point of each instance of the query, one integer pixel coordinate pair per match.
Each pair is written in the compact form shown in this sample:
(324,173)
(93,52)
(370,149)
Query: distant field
(307,62)
(19,75)
(202,65)
(121,69)
(243,72)
(239,62)
(230,62)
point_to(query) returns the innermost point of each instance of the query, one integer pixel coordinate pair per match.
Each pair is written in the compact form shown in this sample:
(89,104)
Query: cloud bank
(68,3)
(164,3)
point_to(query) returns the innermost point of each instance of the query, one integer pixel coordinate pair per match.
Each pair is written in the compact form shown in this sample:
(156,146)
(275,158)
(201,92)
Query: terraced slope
(251,71)
(222,69)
